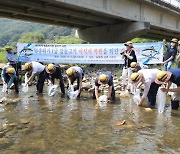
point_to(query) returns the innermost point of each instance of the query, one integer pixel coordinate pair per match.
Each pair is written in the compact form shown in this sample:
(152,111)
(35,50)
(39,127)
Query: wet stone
(120,123)
(128,126)
(118,92)
(144,125)
(25,130)
(5,142)
(147,109)
(24,121)
(30,96)
(20,127)
(11,133)
(124,94)
(44,106)
(3,99)
(11,125)
(7,127)
(12,101)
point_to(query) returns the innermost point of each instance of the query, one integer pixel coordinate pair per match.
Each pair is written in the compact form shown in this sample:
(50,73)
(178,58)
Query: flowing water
(36,124)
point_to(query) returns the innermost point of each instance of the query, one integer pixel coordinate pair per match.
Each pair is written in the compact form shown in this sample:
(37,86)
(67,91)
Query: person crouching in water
(36,68)
(54,72)
(9,76)
(169,77)
(146,77)
(135,67)
(129,56)
(75,73)
(102,79)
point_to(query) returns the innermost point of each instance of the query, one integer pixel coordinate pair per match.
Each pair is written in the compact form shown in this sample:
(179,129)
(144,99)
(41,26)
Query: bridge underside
(124,32)
(93,26)
(55,13)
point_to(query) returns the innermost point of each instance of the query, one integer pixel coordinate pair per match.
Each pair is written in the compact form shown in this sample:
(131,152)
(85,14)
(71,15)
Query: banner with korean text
(147,53)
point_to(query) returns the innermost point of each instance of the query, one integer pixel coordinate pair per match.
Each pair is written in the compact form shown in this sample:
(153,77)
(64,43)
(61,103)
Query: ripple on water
(60,125)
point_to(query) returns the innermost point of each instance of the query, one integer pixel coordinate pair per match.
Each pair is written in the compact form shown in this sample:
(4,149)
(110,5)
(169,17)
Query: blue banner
(147,53)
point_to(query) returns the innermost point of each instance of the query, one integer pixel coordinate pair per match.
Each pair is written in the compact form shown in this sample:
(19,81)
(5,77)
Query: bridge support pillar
(114,33)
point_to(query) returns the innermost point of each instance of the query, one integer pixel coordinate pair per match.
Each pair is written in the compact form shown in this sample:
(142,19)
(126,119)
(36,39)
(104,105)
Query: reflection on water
(43,124)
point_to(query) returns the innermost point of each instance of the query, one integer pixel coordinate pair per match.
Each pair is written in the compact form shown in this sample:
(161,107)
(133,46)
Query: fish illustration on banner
(147,53)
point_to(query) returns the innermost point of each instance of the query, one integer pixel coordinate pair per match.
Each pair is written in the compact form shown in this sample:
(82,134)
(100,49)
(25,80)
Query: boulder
(24,121)
(87,86)
(5,141)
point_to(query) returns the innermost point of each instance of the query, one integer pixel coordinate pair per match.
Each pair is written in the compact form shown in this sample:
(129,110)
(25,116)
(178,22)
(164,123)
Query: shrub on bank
(3,58)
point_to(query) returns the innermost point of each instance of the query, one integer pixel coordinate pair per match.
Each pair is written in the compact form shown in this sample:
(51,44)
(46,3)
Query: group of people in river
(133,75)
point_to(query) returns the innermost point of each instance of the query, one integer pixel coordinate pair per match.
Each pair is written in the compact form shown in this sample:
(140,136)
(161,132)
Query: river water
(36,124)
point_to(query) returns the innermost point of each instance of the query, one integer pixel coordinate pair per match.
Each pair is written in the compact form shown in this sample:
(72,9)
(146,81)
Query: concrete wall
(164,22)
(143,11)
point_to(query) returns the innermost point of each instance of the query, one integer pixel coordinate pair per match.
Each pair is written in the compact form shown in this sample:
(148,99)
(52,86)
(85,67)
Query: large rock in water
(4,141)
(87,86)
(8,101)
(3,99)
(24,121)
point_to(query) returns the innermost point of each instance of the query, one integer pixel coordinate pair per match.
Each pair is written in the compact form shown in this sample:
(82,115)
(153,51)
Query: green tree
(142,40)
(69,40)
(32,38)
(13,30)
(3,58)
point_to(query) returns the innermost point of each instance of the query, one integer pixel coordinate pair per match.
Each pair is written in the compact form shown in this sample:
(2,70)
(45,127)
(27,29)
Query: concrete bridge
(102,21)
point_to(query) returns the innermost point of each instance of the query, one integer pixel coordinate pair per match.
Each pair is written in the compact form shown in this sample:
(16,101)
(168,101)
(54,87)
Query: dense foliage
(13,30)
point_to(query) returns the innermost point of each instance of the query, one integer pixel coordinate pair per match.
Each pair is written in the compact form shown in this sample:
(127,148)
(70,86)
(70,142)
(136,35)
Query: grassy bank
(3,57)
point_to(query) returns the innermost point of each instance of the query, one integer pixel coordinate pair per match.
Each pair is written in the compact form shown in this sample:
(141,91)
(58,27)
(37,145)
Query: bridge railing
(175,3)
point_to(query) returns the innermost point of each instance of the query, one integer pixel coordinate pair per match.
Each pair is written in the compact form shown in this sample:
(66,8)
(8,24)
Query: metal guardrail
(175,3)
(172,4)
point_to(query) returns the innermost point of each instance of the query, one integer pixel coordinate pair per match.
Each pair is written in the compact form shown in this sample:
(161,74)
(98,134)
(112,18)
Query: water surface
(48,125)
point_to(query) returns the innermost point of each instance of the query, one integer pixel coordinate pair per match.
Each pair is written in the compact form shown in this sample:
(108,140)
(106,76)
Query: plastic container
(161,100)
(137,96)
(25,88)
(71,93)
(4,89)
(52,90)
(103,99)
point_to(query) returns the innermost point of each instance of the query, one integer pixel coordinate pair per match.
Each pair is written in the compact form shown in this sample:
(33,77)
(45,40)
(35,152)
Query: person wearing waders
(75,73)
(129,56)
(170,54)
(167,78)
(8,76)
(135,67)
(54,72)
(146,77)
(36,68)
(103,79)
